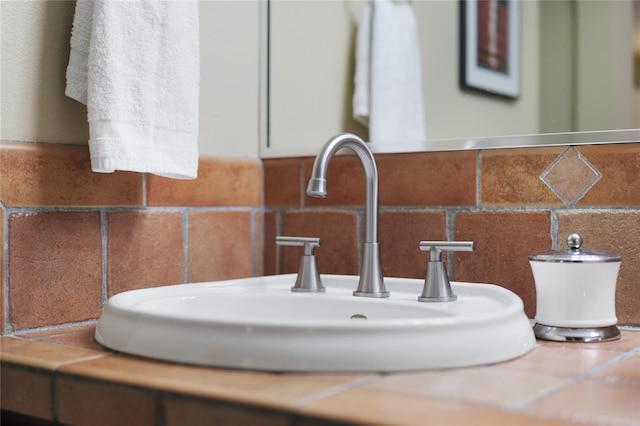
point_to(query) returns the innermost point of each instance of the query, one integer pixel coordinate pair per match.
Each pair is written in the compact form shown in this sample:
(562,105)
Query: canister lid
(574,254)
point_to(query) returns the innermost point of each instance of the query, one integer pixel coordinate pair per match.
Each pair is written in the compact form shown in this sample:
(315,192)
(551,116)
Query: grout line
(104,235)
(553,231)
(479,178)
(19,333)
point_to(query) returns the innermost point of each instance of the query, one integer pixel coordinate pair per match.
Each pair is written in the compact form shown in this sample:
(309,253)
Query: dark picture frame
(490,46)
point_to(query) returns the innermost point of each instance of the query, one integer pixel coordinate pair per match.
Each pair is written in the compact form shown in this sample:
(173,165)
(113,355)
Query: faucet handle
(436,285)
(308,279)
(439,246)
(309,243)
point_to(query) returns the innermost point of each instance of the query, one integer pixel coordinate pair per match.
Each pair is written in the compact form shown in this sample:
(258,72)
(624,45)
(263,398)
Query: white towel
(388,80)
(136,65)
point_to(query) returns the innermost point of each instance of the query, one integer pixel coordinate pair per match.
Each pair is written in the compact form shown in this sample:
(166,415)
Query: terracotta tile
(78,336)
(220,245)
(221,181)
(428,179)
(178,412)
(368,406)
(283,182)
(570,176)
(271,253)
(60,175)
(559,360)
(629,339)
(625,372)
(144,249)
(400,235)
(592,402)
(81,402)
(266,390)
(620,168)
(504,241)
(511,177)
(26,392)
(55,260)
(2,278)
(613,232)
(46,356)
(339,233)
(345,182)
(492,387)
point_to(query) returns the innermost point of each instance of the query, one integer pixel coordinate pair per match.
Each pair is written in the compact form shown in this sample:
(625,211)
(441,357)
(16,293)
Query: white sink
(258,323)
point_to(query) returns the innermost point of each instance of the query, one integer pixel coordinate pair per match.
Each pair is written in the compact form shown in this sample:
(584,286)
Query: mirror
(576,64)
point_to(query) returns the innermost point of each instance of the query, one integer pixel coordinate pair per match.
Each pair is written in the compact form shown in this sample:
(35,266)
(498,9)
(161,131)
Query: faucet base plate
(366,294)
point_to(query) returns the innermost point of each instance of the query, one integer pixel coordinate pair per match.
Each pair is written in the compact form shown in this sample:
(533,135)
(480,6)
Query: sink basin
(258,323)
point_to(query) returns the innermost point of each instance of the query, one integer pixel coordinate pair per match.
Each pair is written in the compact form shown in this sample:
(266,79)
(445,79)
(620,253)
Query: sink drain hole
(358,317)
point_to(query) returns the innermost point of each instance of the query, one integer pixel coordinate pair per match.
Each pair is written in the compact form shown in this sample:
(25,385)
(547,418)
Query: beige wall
(35,51)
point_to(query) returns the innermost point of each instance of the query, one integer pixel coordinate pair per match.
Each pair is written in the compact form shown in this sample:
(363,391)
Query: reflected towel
(388,80)
(136,65)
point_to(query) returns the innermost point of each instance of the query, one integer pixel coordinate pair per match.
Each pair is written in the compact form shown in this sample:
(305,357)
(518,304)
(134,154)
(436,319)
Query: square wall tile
(283,182)
(55,262)
(400,235)
(26,392)
(60,175)
(220,245)
(428,179)
(620,181)
(339,233)
(221,181)
(345,182)
(616,232)
(511,177)
(504,241)
(91,403)
(144,249)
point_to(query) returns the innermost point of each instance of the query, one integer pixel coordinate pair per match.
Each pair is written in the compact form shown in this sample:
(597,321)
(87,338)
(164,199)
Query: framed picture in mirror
(490,33)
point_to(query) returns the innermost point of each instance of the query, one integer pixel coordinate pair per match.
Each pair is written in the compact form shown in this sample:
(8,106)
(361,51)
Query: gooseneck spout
(371,282)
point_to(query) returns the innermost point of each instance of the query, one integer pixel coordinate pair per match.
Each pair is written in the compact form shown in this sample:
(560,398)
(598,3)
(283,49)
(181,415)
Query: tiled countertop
(63,375)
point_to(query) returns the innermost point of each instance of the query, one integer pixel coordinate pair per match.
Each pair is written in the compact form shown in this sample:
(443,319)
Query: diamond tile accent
(570,176)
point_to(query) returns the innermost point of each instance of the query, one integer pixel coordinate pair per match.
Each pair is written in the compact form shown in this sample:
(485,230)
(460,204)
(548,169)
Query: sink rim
(127,302)
(322,347)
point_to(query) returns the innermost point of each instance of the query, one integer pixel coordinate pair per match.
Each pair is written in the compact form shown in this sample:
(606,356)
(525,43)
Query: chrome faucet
(371,282)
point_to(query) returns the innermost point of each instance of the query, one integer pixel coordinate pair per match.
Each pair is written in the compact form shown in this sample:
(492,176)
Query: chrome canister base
(580,335)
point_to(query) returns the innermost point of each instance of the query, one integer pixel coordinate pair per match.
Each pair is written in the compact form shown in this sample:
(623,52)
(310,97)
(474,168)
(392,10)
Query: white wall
(35,50)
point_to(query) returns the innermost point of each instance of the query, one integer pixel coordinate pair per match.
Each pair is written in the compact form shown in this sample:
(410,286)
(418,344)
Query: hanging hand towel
(136,65)
(388,79)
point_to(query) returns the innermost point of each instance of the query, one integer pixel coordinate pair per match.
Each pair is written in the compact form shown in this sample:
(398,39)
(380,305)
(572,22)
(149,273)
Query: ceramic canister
(575,288)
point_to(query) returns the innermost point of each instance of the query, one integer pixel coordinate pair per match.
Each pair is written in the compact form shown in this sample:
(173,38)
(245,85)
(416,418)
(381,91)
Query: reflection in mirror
(576,65)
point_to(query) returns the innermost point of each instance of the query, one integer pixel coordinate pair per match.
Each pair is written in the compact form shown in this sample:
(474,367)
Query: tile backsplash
(72,238)
(511,202)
